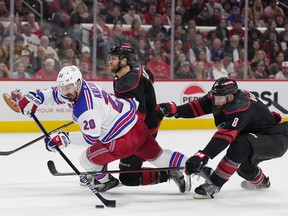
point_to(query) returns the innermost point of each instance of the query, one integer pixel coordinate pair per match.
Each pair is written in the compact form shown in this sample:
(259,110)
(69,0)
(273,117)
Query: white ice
(27,187)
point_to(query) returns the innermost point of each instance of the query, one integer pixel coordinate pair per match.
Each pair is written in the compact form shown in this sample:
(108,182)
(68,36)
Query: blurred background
(175,39)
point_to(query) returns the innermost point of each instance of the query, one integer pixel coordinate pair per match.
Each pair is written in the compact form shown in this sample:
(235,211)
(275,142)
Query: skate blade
(199,196)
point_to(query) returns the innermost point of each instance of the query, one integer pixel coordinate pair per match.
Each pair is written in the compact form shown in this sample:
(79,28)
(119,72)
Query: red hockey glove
(61,140)
(29,103)
(168,109)
(195,163)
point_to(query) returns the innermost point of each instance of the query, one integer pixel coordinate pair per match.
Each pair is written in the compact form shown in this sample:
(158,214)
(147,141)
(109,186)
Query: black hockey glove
(195,163)
(168,109)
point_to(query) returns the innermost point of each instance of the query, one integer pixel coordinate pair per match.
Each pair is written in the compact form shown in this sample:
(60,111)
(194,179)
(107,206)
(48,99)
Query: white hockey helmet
(69,75)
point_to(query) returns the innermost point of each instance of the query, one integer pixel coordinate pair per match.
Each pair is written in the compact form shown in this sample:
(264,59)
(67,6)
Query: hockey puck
(99,206)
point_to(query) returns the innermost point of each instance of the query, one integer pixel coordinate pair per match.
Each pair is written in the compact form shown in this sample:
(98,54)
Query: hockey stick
(107,203)
(54,171)
(5,153)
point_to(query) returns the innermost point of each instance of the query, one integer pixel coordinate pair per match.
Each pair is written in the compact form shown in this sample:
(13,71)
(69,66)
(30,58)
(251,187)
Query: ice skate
(263,185)
(205,173)
(89,178)
(206,191)
(103,187)
(178,177)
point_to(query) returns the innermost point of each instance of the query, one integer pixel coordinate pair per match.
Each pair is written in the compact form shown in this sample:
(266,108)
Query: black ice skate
(178,177)
(206,191)
(263,185)
(103,187)
(205,173)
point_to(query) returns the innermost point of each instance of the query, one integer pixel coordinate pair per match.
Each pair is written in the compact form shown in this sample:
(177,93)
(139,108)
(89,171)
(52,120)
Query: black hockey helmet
(124,50)
(224,86)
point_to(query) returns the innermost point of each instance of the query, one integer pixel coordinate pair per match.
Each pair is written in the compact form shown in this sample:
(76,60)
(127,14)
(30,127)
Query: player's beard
(217,110)
(71,97)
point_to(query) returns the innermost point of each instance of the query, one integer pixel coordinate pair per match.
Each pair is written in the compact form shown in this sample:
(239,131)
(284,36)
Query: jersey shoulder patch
(241,103)
(128,82)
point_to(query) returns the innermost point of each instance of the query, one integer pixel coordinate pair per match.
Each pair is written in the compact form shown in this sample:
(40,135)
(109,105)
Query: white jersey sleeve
(102,116)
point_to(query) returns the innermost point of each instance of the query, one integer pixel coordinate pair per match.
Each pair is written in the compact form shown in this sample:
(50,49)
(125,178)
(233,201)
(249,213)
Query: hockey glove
(29,103)
(61,140)
(168,109)
(195,163)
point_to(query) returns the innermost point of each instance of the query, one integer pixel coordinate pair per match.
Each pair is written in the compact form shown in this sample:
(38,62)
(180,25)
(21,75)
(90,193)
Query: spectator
(148,18)
(133,31)
(178,22)
(114,15)
(80,15)
(157,31)
(199,71)
(238,70)
(283,74)
(71,57)
(25,57)
(84,67)
(19,45)
(279,58)
(283,33)
(253,49)
(118,37)
(261,71)
(271,10)
(203,58)
(4,71)
(4,13)
(279,20)
(158,67)
(185,71)
(181,57)
(196,48)
(203,18)
(217,51)
(195,8)
(222,30)
(159,46)
(253,33)
(166,15)
(212,5)
(234,47)
(259,22)
(59,12)
(258,8)
(273,69)
(44,41)
(141,51)
(20,72)
(131,15)
(38,61)
(20,9)
(85,55)
(66,43)
(259,56)
(284,42)
(217,71)
(29,38)
(237,29)
(48,71)
(234,16)
(228,63)
(271,28)
(35,28)
(3,56)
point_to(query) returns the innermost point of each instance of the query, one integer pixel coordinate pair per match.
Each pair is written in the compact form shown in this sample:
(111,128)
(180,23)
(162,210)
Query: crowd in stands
(43,46)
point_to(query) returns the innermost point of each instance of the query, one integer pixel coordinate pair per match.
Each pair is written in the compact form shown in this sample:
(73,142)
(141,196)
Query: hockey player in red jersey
(133,81)
(245,125)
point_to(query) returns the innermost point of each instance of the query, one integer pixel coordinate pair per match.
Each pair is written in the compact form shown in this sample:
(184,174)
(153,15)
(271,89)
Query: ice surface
(27,187)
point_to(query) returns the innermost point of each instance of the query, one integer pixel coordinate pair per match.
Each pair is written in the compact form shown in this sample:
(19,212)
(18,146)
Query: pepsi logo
(192,92)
